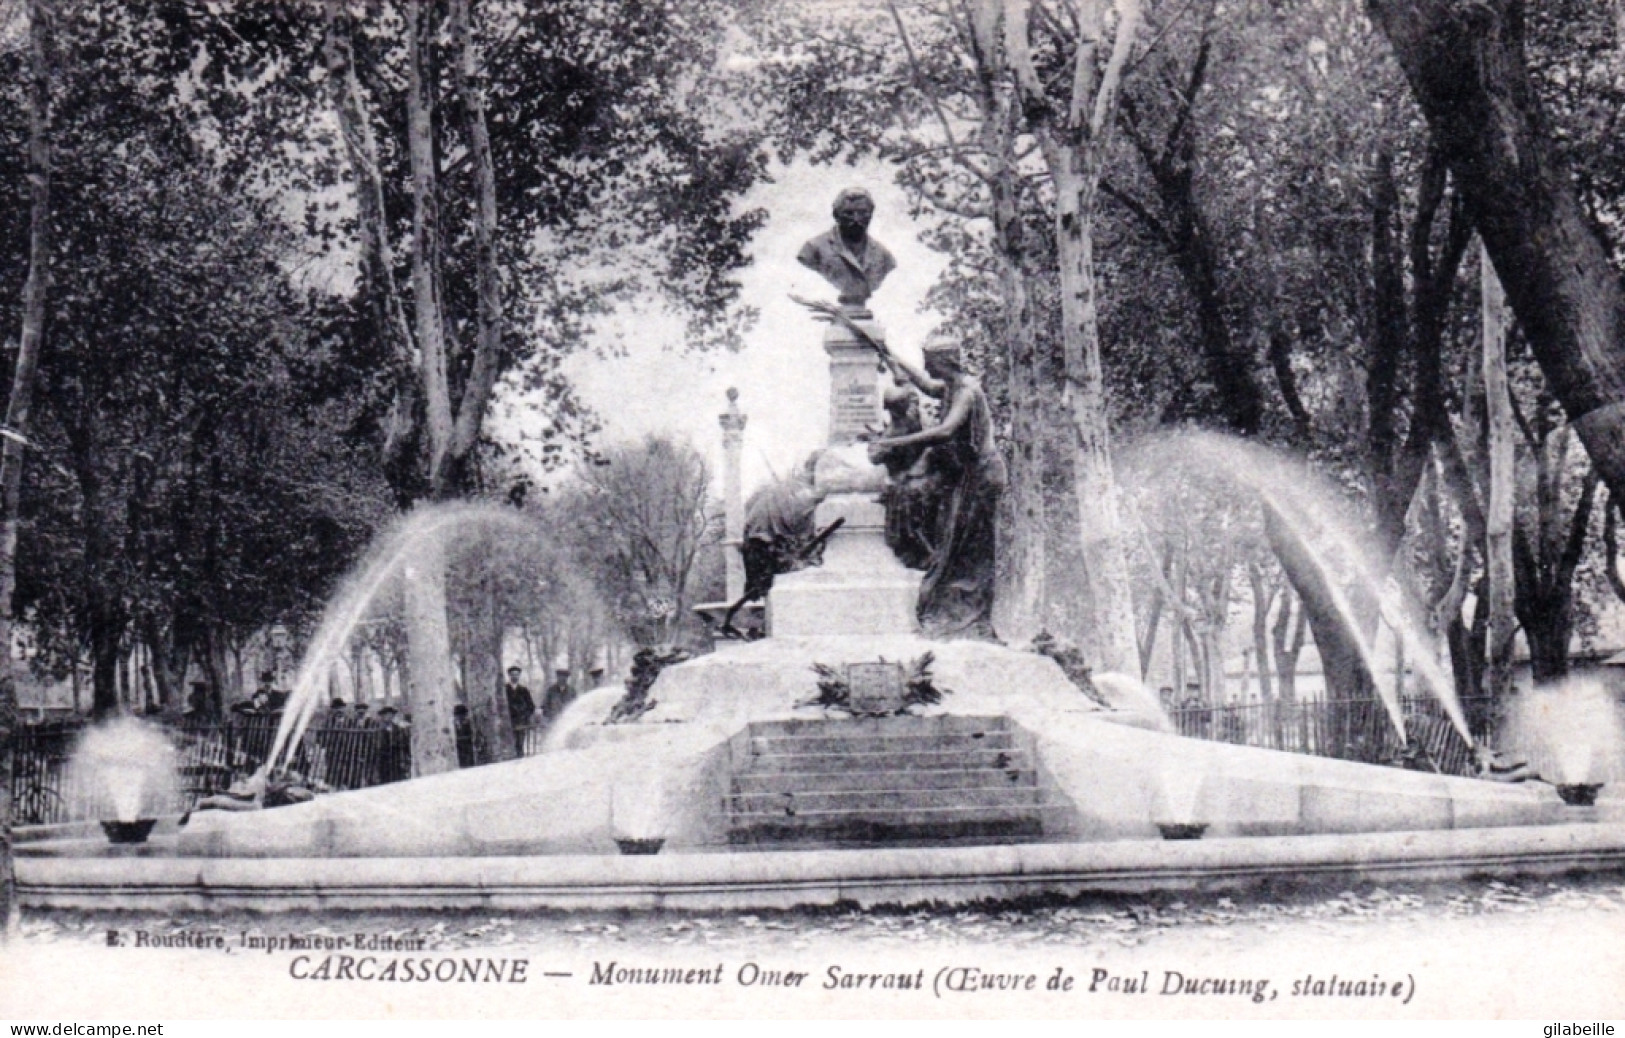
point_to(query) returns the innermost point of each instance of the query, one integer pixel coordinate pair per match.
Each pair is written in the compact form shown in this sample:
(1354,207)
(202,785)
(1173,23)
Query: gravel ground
(1089,922)
(1533,949)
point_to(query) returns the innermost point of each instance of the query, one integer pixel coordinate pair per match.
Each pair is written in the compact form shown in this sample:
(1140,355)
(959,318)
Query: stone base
(861,588)
(804,605)
(669,775)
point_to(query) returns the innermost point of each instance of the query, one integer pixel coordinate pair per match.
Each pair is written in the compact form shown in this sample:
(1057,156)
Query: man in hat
(845,255)
(521,707)
(558,694)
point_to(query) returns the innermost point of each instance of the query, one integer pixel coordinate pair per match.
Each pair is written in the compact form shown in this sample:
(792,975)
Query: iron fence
(1347,729)
(336,756)
(210,756)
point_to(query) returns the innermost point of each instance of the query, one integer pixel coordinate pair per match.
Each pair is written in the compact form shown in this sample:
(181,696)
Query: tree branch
(1138,208)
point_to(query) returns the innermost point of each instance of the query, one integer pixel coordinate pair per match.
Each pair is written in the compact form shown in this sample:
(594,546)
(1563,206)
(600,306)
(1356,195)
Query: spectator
(1196,715)
(521,708)
(595,676)
(267,684)
(463,730)
(558,694)
(395,750)
(197,704)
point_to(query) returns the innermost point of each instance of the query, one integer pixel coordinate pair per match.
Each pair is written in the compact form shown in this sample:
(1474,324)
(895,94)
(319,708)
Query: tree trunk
(1074,136)
(376,254)
(431,688)
(1261,630)
(1026,545)
(104,663)
(1286,646)
(218,672)
(40,15)
(483,369)
(487,702)
(1338,642)
(426,247)
(1099,503)
(161,659)
(1544,566)
(1498,516)
(1465,64)
(1170,158)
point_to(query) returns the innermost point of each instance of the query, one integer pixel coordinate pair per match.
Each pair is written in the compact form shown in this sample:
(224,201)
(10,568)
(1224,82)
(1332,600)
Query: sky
(782,373)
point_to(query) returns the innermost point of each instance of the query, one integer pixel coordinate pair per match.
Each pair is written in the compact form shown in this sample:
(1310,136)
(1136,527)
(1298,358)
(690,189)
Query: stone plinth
(861,588)
(854,383)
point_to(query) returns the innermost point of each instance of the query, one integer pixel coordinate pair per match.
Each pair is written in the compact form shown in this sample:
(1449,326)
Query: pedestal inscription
(854,385)
(876,688)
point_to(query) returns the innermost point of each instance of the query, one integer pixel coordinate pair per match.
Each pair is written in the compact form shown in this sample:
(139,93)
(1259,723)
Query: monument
(861,588)
(844,729)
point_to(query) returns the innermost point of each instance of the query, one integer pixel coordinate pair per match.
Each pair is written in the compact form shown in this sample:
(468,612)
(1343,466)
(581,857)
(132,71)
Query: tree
(645,517)
(594,101)
(1466,66)
(1073,124)
(41,57)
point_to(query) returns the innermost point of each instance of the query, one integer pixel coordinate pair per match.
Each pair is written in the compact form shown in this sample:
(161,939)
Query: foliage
(193,481)
(647,663)
(919,684)
(643,523)
(1072,663)
(833,691)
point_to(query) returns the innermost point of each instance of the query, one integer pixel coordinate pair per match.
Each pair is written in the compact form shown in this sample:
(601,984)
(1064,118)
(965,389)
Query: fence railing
(211,756)
(1348,729)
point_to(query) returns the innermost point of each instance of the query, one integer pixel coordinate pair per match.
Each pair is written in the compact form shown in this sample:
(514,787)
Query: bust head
(847,257)
(853,210)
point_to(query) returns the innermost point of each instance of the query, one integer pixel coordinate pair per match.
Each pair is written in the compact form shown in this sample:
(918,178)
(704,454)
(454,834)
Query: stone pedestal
(861,588)
(854,383)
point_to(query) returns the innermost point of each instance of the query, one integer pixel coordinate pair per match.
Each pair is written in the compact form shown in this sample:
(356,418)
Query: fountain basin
(1182,830)
(68,878)
(1579,794)
(648,846)
(135,831)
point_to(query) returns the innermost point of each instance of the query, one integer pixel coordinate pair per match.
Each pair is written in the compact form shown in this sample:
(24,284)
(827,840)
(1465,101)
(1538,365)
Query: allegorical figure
(845,255)
(780,536)
(910,496)
(958,483)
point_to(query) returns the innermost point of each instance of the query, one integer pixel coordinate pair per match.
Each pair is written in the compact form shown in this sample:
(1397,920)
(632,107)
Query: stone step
(882,743)
(873,763)
(942,724)
(891,828)
(838,781)
(866,801)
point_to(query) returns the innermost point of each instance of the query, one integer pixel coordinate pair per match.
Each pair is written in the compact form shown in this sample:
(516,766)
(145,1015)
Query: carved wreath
(919,689)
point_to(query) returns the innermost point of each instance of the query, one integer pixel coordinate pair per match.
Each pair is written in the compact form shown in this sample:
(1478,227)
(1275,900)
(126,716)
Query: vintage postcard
(807,509)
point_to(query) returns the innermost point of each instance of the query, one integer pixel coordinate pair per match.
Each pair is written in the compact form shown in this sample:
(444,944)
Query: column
(733,506)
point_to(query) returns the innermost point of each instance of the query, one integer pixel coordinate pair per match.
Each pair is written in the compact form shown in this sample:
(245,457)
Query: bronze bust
(845,255)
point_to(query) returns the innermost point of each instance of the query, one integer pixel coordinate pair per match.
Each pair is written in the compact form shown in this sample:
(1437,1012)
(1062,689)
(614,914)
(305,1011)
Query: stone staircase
(891,781)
